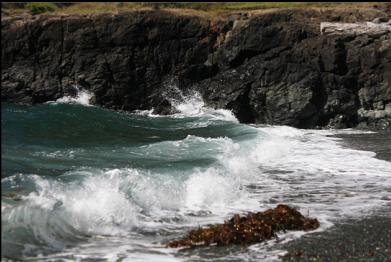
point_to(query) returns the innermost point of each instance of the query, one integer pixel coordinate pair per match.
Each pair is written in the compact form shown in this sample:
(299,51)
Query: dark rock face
(279,69)
(274,68)
(123,59)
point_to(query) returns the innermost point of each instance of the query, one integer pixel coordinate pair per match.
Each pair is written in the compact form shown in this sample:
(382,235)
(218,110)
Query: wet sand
(379,142)
(367,239)
(364,239)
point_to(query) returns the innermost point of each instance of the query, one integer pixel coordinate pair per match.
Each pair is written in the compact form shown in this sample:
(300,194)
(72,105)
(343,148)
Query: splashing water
(82,97)
(190,105)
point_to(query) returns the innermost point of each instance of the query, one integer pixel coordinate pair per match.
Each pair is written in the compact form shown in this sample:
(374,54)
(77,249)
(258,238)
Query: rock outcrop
(371,28)
(280,69)
(123,59)
(275,67)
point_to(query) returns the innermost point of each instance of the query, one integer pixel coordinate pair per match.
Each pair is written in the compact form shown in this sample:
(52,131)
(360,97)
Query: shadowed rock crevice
(241,106)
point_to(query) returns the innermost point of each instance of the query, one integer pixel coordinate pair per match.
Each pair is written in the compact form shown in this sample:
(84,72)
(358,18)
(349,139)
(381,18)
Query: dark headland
(303,67)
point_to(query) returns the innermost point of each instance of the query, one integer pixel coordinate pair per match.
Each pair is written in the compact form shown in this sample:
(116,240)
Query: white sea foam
(320,175)
(113,202)
(212,191)
(347,131)
(191,105)
(303,168)
(67,154)
(56,210)
(82,97)
(146,113)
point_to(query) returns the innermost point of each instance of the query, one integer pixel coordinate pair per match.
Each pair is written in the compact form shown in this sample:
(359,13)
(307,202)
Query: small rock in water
(164,108)
(386,198)
(249,229)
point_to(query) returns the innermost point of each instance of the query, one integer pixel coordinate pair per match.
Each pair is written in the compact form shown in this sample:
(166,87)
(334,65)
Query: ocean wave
(112,203)
(282,164)
(191,177)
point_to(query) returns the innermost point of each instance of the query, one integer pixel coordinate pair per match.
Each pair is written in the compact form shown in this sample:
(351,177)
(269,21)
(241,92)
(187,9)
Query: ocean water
(83,183)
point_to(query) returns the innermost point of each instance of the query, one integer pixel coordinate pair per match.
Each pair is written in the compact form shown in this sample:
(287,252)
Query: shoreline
(365,238)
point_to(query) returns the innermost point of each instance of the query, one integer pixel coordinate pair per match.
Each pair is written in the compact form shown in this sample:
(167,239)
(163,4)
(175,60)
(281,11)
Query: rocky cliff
(273,67)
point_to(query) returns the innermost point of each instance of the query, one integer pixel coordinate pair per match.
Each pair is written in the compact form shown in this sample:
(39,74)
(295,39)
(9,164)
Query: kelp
(249,229)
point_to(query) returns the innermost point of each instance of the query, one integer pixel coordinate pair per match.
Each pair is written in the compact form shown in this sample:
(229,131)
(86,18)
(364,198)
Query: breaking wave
(146,180)
(82,97)
(190,105)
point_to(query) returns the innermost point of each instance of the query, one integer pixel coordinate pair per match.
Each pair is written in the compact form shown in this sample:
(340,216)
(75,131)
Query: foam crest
(317,173)
(57,212)
(113,202)
(189,105)
(192,105)
(82,97)
(211,191)
(347,131)
(146,113)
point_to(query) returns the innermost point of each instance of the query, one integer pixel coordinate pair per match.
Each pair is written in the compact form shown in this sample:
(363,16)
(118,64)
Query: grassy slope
(194,8)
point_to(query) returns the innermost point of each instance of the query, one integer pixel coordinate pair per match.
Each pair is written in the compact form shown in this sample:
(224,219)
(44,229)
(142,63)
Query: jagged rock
(286,72)
(164,108)
(121,58)
(273,68)
(249,229)
(375,27)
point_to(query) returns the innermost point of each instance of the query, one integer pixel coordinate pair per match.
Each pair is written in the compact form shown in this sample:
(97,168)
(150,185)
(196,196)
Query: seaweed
(249,229)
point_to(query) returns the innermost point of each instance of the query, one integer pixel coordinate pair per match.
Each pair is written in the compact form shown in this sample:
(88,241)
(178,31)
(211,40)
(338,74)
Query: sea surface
(83,183)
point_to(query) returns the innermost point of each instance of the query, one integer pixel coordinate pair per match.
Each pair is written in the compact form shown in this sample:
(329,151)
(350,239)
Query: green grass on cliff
(196,8)
(39,8)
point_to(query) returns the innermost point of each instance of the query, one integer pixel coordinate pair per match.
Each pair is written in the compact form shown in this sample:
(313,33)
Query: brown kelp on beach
(249,229)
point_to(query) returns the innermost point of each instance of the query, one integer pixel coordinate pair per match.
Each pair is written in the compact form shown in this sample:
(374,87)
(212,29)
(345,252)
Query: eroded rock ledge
(369,28)
(275,67)
(249,229)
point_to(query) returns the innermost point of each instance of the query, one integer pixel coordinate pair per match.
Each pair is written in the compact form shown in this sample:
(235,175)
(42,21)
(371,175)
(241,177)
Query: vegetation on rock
(249,229)
(39,8)
(205,8)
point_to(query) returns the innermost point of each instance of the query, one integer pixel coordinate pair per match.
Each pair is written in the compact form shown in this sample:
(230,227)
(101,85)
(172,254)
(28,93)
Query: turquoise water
(82,182)
(52,139)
